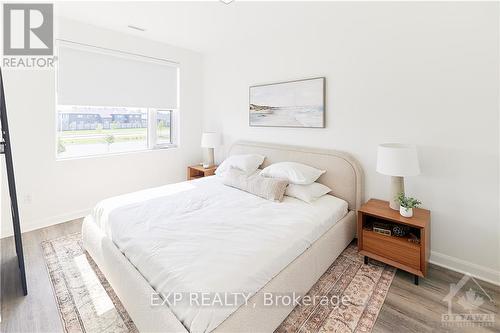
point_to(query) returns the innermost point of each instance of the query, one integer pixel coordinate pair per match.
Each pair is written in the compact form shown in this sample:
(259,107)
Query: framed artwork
(298,103)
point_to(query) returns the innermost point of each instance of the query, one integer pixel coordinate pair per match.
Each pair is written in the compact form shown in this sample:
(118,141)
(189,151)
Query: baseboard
(27,226)
(481,272)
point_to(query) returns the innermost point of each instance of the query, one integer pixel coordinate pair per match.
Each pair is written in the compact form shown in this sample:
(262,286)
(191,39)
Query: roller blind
(92,76)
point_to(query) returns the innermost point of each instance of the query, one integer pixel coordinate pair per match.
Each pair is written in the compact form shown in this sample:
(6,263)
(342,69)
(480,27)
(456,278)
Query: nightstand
(197,171)
(410,252)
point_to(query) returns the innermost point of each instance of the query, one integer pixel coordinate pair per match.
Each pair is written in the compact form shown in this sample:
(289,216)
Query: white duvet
(205,237)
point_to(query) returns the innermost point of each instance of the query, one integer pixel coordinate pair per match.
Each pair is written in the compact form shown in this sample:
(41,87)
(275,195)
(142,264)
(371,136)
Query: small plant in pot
(406,205)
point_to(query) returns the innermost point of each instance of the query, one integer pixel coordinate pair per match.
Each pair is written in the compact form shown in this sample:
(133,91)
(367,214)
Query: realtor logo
(472,301)
(28,29)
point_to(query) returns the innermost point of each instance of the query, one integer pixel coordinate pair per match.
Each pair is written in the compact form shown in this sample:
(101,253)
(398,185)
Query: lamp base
(209,158)
(397,187)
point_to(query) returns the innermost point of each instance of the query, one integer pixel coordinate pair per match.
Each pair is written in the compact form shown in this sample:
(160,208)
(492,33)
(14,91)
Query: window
(113,102)
(163,127)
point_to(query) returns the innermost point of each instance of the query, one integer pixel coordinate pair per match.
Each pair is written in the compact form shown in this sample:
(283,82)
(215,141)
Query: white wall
(66,189)
(423,73)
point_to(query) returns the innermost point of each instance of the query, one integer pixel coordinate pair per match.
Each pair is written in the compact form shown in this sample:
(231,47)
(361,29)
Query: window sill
(157,148)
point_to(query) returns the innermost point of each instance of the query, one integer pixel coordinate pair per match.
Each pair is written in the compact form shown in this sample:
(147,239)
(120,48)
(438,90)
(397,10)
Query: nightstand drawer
(394,248)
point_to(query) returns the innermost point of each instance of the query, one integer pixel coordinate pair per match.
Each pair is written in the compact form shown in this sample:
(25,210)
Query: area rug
(362,287)
(87,303)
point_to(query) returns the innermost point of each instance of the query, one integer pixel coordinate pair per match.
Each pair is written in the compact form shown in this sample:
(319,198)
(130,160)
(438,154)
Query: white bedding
(203,236)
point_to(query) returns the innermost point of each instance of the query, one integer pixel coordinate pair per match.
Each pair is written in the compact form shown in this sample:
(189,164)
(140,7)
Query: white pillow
(247,163)
(307,193)
(295,173)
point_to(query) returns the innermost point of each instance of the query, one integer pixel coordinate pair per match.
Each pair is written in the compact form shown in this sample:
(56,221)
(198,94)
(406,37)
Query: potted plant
(406,204)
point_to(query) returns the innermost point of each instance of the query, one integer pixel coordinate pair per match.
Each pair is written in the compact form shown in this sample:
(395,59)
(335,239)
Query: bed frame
(343,176)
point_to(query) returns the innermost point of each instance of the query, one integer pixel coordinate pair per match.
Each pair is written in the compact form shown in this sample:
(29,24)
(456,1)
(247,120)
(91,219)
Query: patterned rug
(364,288)
(87,303)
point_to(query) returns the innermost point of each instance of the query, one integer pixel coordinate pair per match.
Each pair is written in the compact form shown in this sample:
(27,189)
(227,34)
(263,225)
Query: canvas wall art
(298,103)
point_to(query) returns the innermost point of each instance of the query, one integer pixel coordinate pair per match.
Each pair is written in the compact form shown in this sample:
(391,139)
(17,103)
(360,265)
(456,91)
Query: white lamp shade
(395,159)
(210,140)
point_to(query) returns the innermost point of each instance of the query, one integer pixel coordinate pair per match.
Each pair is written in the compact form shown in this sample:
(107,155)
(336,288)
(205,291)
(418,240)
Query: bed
(183,238)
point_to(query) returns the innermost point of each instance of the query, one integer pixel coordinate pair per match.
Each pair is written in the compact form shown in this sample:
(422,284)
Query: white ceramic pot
(406,212)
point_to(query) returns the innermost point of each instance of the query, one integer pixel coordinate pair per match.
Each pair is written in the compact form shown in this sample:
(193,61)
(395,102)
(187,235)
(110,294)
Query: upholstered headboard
(343,173)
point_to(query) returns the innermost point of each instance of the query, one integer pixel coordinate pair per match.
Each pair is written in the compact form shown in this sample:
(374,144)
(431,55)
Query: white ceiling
(177,23)
(202,26)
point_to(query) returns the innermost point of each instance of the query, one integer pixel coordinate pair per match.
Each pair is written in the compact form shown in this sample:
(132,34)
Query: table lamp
(209,140)
(397,160)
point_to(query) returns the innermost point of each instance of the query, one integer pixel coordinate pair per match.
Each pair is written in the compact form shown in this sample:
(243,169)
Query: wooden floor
(408,308)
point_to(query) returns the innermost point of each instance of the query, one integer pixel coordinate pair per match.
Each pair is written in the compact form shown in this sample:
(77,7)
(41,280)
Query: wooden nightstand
(197,171)
(396,251)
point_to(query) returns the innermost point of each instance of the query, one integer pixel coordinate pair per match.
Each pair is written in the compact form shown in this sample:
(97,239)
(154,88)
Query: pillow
(247,163)
(268,188)
(296,173)
(307,193)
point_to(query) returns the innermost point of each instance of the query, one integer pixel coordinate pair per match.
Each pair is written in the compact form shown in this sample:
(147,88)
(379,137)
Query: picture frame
(296,103)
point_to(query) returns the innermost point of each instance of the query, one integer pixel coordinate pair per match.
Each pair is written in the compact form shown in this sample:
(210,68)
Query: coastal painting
(289,104)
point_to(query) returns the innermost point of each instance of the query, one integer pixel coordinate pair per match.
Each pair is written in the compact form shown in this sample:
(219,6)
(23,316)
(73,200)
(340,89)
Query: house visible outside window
(113,102)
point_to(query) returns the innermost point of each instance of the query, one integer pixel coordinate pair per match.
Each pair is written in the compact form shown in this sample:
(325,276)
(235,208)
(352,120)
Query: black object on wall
(6,149)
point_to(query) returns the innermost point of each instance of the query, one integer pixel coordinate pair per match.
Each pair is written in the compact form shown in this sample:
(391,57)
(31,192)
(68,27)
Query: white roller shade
(96,77)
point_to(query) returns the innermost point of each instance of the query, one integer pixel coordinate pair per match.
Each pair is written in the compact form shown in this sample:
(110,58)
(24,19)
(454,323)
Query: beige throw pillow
(268,188)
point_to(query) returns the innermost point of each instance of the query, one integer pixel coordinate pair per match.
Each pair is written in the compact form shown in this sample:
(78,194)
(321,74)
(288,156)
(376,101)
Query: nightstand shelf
(197,171)
(410,254)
